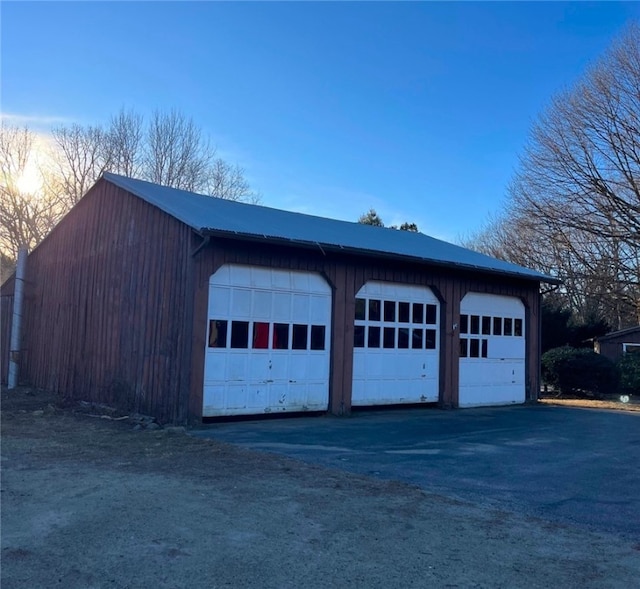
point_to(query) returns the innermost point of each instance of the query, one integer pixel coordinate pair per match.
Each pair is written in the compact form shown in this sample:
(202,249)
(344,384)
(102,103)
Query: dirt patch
(88,502)
(632,405)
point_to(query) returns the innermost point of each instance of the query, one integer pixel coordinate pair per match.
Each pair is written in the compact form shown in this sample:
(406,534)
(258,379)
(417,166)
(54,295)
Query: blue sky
(416,109)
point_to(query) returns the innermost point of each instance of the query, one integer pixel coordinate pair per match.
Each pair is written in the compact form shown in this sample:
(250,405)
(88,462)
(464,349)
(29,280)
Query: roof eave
(370,253)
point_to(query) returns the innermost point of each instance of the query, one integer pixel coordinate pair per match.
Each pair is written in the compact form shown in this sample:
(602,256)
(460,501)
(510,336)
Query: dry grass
(593,404)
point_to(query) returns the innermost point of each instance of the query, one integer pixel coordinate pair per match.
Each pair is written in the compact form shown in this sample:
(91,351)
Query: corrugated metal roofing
(214,215)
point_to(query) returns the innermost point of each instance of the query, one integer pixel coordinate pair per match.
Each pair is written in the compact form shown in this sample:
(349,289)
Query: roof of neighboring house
(616,334)
(210,215)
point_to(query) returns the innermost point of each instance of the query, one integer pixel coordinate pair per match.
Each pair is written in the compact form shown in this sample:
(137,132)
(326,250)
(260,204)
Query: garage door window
(398,334)
(484,325)
(403,338)
(217,333)
(374,310)
(389,310)
(373,340)
(260,335)
(389,340)
(317,337)
(239,334)
(508,326)
(497,326)
(299,337)
(280,336)
(517,327)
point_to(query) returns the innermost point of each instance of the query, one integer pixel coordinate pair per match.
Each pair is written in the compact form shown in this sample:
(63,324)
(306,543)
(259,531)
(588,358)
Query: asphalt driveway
(565,465)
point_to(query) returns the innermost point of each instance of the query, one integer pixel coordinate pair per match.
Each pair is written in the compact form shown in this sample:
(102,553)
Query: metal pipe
(16,321)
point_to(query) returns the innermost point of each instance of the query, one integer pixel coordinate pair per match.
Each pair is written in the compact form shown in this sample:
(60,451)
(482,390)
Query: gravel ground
(89,503)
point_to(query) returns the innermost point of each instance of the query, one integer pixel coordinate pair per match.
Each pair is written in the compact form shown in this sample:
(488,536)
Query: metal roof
(210,215)
(615,334)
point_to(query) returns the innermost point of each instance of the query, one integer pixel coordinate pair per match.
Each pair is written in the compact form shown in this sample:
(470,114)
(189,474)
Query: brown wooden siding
(116,307)
(107,299)
(6,311)
(612,346)
(347,274)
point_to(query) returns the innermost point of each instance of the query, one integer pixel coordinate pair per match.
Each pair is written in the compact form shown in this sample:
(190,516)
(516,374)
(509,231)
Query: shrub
(577,371)
(629,372)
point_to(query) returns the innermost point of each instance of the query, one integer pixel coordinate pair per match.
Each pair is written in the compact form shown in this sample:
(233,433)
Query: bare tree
(26,216)
(228,181)
(175,152)
(83,153)
(126,141)
(170,149)
(574,204)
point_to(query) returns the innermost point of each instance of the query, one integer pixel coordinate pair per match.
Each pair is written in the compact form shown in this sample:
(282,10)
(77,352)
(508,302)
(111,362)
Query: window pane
(373,339)
(239,334)
(474,348)
(217,333)
(374,310)
(497,326)
(418,312)
(260,336)
(404,309)
(358,336)
(463,348)
(517,327)
(403,337)
(486,326)
(507,325)
(475,324)
(299,337)
(484,348)
(389,340)
(416,339)
(432,312)
(317,337)
(361,307)
(281,336)
(430,339)
(464,323)
(389,310)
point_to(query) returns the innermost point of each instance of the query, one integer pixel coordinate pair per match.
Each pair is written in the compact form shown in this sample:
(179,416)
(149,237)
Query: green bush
(578,371)
(629,372)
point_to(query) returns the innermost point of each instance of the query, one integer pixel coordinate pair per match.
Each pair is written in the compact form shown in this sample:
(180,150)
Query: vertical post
(16,321)
(537,391)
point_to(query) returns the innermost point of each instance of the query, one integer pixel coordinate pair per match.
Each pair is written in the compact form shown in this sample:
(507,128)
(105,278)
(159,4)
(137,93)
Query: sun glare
(31,180)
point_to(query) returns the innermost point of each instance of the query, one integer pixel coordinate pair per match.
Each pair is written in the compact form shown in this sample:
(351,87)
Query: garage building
(185,306)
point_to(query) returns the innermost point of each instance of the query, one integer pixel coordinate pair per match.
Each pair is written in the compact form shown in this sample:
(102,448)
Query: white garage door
(268,337)
(492,350)
(396,345)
